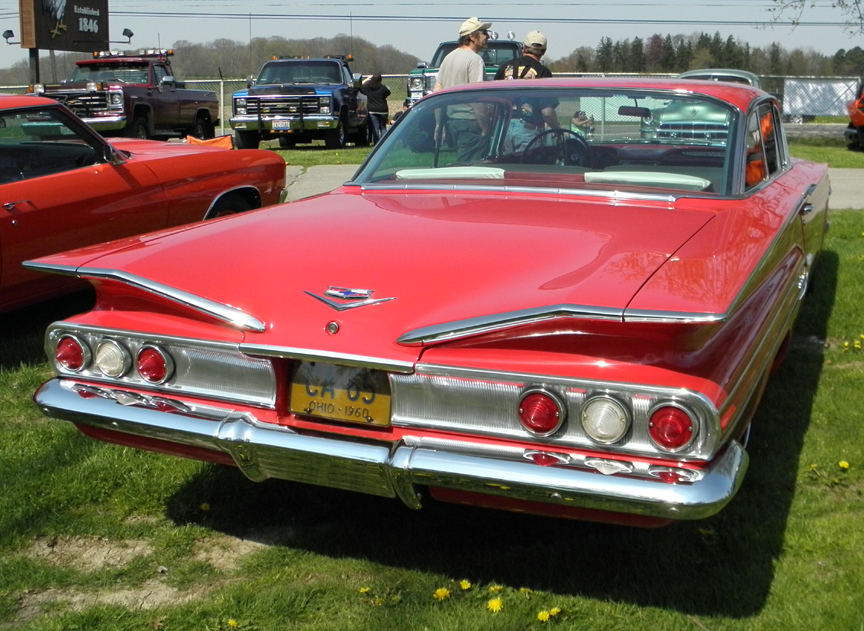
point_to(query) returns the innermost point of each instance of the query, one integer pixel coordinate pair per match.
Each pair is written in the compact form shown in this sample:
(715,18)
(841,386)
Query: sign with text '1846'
(76,25)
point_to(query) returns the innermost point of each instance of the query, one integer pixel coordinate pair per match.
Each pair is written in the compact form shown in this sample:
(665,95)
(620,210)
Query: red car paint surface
(50,203)
(643,282)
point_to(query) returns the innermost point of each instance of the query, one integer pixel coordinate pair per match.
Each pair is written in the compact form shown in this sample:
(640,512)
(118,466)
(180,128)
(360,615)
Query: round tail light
(72,354)
(605,420)
(154,365)
(112,359)
(540,412)
(671,428)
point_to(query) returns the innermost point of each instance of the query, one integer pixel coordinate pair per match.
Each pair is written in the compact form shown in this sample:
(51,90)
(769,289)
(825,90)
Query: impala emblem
(352,298)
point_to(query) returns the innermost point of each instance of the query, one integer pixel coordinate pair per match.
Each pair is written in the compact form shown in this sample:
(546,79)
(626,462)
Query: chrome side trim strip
(230,315)
(486,324)
(263,450)
(61,270)
(361,361)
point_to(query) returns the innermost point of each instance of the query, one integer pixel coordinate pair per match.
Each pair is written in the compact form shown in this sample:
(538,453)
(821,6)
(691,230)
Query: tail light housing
(605,420)
(72,353)
(154,364)
(541,412)
(671,428)
(112,358)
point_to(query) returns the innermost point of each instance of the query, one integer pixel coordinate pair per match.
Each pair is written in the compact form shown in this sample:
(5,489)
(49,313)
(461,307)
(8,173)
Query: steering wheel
(570,151)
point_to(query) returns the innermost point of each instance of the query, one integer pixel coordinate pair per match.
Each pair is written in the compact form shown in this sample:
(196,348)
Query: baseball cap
(472,25)
(535,39)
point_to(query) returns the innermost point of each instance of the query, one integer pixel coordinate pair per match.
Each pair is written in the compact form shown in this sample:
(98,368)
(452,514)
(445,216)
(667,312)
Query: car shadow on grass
(24,329)
(721,566)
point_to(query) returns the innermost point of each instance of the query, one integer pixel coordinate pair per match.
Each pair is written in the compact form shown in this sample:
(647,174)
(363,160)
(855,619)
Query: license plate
(281,124)
(342,393)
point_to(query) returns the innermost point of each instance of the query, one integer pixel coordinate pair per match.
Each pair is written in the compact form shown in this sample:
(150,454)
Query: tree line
(656,54)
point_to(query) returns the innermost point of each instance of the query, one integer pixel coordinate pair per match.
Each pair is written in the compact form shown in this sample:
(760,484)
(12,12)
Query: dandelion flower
(205,507)
(495,589)
(465,585)
(378,602)
(554,611)
(843,464)
(495,605)
(232,623)
(543,616)
(442,593)
(364,590)
(813,467)
(526,590)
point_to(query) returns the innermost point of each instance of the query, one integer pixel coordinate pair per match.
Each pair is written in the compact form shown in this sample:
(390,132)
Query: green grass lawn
(95,536)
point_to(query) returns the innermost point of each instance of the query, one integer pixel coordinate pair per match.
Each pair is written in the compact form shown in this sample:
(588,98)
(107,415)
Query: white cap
(472,25)
(535,39)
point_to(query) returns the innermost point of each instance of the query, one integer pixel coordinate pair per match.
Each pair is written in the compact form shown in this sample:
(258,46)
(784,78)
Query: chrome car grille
(84,104)
(693,130)
(283,105)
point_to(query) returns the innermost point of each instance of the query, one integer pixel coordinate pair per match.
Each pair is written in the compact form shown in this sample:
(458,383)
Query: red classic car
(495,310)
(63,186)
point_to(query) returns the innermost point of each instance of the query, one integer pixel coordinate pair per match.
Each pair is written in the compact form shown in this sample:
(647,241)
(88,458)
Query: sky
(410,26)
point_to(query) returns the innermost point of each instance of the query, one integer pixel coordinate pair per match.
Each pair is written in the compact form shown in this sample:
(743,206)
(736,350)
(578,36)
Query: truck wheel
(335,139)
(363,135)
(247,139)
(138,128)
(230,204)
(202,129)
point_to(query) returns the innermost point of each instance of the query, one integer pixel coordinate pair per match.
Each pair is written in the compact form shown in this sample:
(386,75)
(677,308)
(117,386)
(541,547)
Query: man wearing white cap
(464,65)
(467,125)
(531,115)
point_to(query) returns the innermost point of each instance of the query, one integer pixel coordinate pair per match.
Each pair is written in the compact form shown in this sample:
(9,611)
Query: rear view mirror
(630,110)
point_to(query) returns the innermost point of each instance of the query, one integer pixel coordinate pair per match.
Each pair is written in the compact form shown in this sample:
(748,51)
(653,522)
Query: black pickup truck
(135,94)
(298,99)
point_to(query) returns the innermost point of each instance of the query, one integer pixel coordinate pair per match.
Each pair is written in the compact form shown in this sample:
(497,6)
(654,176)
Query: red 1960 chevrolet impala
(496,310)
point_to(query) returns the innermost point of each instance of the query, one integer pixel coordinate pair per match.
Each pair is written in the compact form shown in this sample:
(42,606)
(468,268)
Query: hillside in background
(657,53)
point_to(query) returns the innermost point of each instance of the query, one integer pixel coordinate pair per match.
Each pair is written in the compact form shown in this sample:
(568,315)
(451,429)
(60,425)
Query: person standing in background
(467,125)
(379,112)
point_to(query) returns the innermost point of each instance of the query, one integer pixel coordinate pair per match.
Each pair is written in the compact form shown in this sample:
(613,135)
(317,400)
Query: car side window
(37,143)
(763,147)
(160,73)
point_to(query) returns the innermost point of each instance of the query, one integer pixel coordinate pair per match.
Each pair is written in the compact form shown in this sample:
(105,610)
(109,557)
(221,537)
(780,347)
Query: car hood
(430,259)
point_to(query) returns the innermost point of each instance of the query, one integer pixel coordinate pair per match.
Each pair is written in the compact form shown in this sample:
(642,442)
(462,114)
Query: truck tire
(363,135)
(335,138)
(202,129)
(138,128)
(247,139)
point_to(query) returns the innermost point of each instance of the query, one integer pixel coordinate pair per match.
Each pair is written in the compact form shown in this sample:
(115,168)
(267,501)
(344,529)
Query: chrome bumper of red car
(262,451)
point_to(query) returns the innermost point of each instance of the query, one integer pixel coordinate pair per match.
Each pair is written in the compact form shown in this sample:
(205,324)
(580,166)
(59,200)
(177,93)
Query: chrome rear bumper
(262,450)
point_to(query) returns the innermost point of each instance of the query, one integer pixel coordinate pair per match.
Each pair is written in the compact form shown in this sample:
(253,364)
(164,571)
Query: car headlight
(241,111)
(324,105)
(415,83)
(240,102)
(115,98)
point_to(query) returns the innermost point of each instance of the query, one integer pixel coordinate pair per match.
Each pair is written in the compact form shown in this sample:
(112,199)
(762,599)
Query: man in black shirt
(530,115)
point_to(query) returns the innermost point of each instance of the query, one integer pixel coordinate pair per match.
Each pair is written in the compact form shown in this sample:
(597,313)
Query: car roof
(737,94)
(721,72)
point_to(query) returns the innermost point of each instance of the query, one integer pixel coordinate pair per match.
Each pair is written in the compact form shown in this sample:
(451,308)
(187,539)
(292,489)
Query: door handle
(11,205)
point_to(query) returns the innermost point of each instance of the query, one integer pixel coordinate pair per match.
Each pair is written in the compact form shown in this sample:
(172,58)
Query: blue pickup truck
(301,99)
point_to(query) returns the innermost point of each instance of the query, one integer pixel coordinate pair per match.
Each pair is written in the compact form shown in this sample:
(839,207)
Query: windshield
(300,71)
(495,53)
(118,72)
(563,138)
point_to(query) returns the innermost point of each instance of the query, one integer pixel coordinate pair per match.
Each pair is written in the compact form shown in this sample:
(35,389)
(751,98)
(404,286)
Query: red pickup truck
(136,95)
